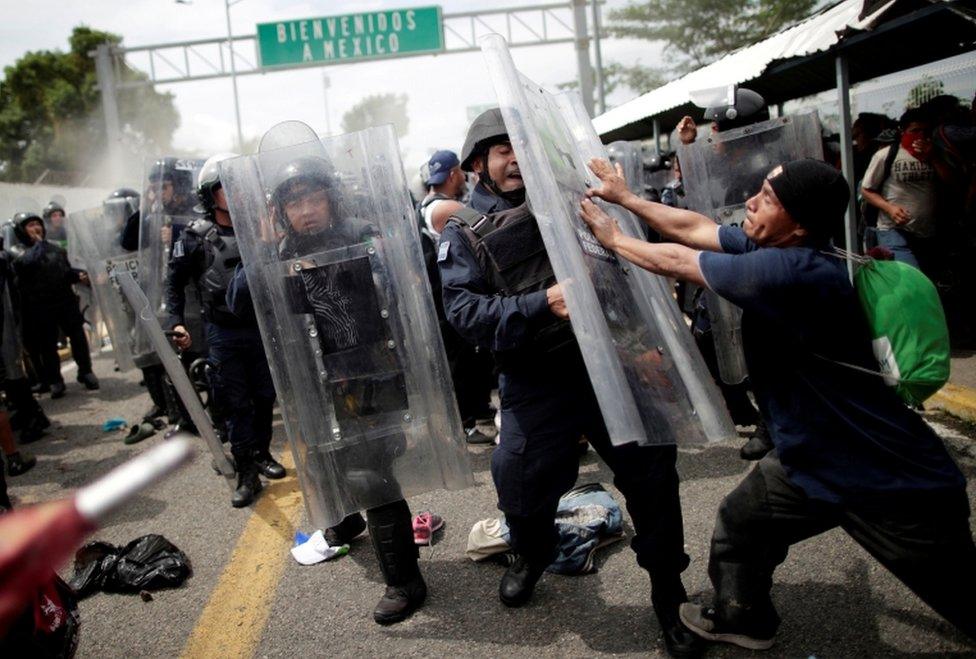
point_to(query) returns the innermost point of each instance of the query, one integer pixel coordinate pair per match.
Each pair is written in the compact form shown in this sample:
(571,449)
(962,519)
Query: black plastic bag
(148,563)
(48,627)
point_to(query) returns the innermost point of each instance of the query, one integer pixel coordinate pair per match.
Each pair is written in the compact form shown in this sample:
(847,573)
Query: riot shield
(95,235)
(640,389)
(342,299)
(721,171)
(167,208)
(655,292)
(11,349)
(146,317)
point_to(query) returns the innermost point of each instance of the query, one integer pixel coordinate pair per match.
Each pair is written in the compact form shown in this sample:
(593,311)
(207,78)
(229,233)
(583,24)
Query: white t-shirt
(910,185)
(428,217)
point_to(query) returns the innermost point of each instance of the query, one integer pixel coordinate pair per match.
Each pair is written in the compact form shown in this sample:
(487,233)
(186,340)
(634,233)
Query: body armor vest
(221,254)
(510,251)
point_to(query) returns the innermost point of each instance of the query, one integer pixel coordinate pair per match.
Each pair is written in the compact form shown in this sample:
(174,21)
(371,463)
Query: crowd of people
(835,447)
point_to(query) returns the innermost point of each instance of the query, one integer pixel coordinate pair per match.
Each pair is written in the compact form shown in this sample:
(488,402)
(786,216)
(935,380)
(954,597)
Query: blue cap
(440,165)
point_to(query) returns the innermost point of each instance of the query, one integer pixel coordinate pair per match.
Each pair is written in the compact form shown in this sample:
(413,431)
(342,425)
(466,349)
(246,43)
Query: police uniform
(207,254)
(494,274)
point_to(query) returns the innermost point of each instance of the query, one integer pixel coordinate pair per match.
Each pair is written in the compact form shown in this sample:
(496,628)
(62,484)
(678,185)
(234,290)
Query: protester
(848,452)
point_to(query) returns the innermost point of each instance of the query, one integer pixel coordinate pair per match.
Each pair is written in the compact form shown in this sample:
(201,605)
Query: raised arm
(682,226)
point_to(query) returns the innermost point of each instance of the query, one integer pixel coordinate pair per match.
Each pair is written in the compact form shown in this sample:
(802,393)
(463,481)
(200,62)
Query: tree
(51,114)
(637,78)
(923,91)
(698,32)
(378,109)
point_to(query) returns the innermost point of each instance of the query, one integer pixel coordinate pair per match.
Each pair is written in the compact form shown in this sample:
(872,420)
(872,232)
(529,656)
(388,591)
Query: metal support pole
(325,99)
(847,156)
(582,43)
(233,77)
(105,76)
(598,55)
(657,137)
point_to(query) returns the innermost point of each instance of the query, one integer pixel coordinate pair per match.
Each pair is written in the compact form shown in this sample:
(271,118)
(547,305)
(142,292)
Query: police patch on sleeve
(178,249)
(442,251)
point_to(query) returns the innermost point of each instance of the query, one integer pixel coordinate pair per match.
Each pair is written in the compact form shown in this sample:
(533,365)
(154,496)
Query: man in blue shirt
(848,452)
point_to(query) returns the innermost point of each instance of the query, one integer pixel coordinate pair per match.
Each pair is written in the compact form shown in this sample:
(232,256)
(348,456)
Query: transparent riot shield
(146,317)
(628,156)
(721,171)
(168,200)
(336,275)
(653,292)
(95,234)
(11,349)
(633,369)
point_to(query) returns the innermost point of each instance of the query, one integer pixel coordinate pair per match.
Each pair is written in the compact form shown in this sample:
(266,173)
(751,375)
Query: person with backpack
(899,189)
(848,452)
(470,369)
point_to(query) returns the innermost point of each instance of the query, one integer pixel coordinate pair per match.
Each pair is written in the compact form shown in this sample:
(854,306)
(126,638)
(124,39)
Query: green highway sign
(336,39)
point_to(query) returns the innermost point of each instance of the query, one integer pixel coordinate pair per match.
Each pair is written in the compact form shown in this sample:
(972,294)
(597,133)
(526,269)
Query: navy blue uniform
(240,378)
(547,404)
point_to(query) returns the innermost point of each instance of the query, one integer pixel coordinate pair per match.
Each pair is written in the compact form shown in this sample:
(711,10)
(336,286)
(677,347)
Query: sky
(440,89)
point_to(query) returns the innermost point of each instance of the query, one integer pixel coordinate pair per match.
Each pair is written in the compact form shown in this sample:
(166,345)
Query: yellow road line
(957,400)
(235,616)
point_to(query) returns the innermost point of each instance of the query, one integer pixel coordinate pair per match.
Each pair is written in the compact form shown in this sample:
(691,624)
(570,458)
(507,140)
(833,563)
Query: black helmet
(20,226)
(486,130)
(50,209)
(208,180)
(314,171)
(184,187)
(749,108)
(125,199)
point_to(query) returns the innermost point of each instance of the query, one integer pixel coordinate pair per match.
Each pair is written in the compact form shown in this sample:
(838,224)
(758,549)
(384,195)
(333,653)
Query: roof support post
(105,77)
(847,157)
(582,43)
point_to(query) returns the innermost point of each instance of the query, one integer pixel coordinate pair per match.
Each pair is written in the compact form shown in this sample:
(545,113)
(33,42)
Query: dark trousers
(922,538)
(42,328)
(242,386)
(544,413)
(471,374)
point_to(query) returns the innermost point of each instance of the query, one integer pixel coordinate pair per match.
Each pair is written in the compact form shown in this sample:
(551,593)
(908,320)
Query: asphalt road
(247,597)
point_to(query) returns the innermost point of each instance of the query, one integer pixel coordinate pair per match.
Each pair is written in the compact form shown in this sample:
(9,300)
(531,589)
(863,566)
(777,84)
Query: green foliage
(378,109)
(698,32)
(51,115)
(638,78)
(928,88)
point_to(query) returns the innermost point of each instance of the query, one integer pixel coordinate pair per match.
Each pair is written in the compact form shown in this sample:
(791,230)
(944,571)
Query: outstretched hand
(614,188)
(604,227)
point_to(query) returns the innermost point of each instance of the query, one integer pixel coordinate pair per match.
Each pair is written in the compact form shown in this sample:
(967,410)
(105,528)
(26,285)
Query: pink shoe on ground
(424,527)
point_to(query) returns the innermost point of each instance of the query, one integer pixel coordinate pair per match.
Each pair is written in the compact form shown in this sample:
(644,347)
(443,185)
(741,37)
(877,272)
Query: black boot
(89,380)
(267,465)
(344,532)
(518,582)
(391,532)
(19,463)
(57,390)
(33,428)
(248,483)
(667,595)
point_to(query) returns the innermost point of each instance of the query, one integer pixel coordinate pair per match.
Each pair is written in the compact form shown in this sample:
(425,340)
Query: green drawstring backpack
(908,327)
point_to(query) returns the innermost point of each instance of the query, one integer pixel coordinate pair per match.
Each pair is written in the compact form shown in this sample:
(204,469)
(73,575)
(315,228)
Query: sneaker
(475,436)
(424,527)
(139,432)
(704,622)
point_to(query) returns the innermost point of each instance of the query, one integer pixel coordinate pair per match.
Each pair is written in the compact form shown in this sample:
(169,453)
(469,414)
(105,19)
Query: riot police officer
(547,400)
(305,203)
(48,305)
(207,255)
(54,215)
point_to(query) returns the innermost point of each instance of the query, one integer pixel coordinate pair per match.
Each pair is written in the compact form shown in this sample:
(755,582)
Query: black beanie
(813,193)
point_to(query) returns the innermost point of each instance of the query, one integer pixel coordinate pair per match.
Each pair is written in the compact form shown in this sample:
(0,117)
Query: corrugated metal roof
(815,34)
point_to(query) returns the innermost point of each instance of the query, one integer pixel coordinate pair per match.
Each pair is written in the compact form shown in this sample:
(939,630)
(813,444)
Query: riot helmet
(125,201)
(298,180)
(749,108)
(487,130)
(208,181)
(173,184)
(21,220)
(50,209)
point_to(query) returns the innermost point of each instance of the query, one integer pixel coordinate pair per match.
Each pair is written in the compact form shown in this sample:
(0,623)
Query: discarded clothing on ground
(309,550)
(587,518)
(148,563)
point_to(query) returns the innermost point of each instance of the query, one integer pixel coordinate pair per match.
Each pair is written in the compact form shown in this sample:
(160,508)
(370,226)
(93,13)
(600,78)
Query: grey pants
(923,538)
